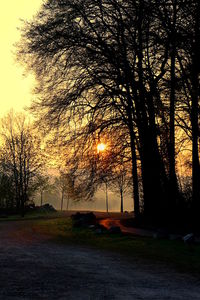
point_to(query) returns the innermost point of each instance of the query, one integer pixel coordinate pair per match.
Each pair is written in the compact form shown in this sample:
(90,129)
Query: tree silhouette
(100,64)
(21,155)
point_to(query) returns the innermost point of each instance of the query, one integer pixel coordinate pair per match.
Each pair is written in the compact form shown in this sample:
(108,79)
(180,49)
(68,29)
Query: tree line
(123,68)
(24,167)
(21,159)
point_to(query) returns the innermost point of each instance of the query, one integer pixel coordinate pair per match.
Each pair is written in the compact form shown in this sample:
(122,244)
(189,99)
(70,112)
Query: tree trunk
(136,199)
(172,163)
(106,185)
(68,202)
(62,199)
(122,201)
(153,176)
(195,151)
(41,198)
(173,184)
(22,208)
(194,116)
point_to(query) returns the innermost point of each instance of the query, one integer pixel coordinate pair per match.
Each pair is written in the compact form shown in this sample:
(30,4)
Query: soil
(34,267)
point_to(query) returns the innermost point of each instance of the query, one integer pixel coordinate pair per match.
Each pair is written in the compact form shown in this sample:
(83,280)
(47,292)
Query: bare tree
(64,184)
(99,64)
(121,182)
(21,155)
(6,192)
(42,185)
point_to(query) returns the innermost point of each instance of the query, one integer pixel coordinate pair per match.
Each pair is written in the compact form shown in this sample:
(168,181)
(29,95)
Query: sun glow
(101,147)
(16,90)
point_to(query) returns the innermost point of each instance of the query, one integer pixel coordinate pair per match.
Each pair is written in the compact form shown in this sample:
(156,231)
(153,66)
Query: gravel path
(33,267)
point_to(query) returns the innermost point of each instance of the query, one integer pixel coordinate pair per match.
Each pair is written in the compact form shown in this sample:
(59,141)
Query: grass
(31,216)
(172,253)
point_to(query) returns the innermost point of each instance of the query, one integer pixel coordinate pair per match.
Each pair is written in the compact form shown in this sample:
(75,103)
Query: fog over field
(97,204)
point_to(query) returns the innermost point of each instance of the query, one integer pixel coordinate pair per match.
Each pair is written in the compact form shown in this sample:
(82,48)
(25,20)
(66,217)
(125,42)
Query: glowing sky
(15,91)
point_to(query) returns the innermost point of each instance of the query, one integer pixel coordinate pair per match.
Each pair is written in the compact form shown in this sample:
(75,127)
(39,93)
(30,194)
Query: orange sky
(15,91)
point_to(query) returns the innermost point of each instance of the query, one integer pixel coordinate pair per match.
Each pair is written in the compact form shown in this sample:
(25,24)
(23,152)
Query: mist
(97,204)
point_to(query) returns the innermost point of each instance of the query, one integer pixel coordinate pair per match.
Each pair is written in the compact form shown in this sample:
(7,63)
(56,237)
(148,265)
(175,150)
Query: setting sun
(101,147)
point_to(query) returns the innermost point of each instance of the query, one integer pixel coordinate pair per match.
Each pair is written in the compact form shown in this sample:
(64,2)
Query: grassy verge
(31,216)
(172,253)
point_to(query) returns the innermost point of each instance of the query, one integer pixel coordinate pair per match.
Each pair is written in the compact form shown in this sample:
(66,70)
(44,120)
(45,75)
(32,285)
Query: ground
(35,267)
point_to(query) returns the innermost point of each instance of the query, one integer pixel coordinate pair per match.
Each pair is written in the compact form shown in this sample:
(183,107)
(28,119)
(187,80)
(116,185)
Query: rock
(189,239)
(100,229)
(114,230)
(47,208)
(83,219)
(91,226)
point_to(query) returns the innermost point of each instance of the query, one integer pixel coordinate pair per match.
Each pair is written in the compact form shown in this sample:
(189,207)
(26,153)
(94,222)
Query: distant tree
(103,175)
(64,184)
(42,185)
(121,182)
(21,155)
(6,192)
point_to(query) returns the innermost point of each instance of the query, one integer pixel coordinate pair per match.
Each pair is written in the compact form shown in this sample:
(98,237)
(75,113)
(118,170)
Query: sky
(15,91)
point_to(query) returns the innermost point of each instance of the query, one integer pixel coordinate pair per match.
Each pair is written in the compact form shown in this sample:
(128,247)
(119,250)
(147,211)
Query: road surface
(34,267)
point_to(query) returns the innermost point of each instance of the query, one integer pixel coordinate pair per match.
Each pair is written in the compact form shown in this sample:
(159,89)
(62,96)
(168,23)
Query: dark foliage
(104,65)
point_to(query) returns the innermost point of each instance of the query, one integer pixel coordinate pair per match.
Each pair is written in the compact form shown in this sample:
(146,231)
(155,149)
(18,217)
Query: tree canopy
(134,64)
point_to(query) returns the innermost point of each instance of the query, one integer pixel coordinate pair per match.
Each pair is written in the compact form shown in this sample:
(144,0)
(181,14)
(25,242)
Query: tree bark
(136,200)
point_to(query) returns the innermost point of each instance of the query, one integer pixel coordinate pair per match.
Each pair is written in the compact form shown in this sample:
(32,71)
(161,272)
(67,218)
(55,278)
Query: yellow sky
(15,91)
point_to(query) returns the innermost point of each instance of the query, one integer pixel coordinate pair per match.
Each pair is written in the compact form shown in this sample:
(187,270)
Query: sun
(101,147)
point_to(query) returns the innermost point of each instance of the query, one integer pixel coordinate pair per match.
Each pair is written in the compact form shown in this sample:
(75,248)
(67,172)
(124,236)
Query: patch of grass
(172,253)
(31,216)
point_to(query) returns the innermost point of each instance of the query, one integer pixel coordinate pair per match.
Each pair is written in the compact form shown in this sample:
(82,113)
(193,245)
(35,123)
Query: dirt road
(33,267)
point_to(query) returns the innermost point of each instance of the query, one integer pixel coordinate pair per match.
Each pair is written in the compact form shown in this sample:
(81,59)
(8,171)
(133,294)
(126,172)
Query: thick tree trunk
(153,176)
(194,116)
(195,156)
(195,150)
(172,162)
(143,127)
(173,184)
(136,199)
